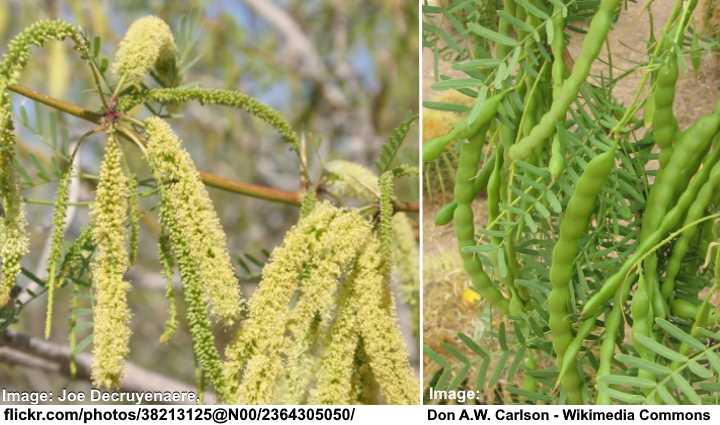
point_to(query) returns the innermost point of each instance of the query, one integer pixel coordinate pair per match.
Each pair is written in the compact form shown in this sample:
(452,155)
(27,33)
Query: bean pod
(656,223)
(681,247)
(593,42)
(463,219)
(572,228)
(471,125)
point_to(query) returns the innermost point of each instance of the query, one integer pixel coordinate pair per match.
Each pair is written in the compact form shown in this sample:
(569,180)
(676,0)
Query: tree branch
(61,105)
(230,185)
(23,350)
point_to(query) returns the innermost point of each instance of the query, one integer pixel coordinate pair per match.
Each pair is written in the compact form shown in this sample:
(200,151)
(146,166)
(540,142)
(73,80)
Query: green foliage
(390,149)
(580,325)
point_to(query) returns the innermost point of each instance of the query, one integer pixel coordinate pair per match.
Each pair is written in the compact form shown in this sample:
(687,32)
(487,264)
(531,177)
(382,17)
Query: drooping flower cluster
(301,341)
(111,333)
(148,44)
(36,35)
(231,98)
(13,233)
(56,242)
(192,225)
(382,341)
(262,333)
(405,258)
(13,226)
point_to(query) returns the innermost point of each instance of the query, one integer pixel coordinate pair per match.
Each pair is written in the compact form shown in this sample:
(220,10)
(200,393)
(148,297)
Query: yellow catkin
(56,244)
(14,241)
(336,368)
(166,262)
(380,333)
(405,258)
(317,293)
(385,232)
(351,180)
(134,217)
(264,330)
(13,226)
(148,43)
(111,333)
(187,205)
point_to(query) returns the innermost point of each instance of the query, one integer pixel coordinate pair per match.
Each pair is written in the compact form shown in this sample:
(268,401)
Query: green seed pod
(433,148)
(683,308)
(593,42)
(670,180)
(696,210)
(445,214)
(478,117)
(573,226)
(463,220)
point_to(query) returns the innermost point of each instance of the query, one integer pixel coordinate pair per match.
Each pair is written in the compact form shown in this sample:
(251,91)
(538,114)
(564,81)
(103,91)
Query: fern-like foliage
(689,376)
(513,359)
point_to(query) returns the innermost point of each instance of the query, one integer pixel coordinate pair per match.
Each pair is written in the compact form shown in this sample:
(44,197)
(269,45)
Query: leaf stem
(230,185)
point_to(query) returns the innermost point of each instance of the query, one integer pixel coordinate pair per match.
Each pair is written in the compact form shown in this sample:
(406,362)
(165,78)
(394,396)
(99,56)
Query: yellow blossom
(190,220)
(263,332)
(317,295)
(111,333)
(380,333)
(148,43)
(405,259)
(336,367)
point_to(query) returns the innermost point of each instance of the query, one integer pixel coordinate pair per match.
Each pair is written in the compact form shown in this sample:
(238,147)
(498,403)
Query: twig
(230,185)
(26,351)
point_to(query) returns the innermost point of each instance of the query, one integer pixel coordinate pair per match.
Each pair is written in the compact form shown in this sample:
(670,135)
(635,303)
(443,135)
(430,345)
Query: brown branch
(224,183)
(256,191)
(23,350)
(58,104)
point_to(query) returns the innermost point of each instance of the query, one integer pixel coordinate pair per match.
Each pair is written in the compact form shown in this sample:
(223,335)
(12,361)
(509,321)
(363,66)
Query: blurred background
(344,74)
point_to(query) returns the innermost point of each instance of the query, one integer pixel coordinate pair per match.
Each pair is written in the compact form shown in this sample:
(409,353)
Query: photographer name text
(95,395)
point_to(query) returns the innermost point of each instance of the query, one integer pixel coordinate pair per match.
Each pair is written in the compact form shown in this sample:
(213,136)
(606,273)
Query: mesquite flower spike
(264,328)
(231,98)
(111,333)
(148,43)
(191,222)
(13,233)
